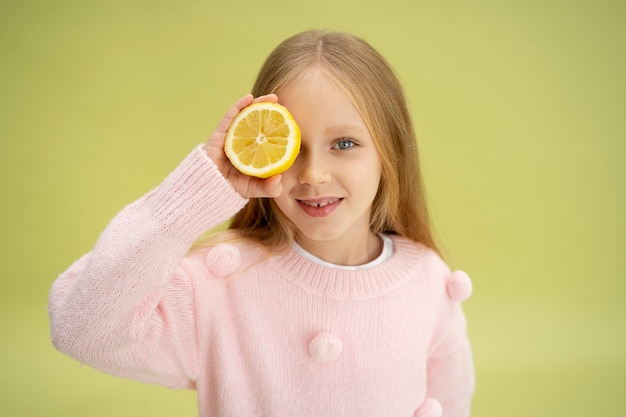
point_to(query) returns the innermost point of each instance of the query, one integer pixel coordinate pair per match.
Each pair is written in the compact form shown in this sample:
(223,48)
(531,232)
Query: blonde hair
(399,206)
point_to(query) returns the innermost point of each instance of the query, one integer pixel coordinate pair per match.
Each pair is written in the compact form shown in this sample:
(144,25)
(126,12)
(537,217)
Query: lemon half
(263,140)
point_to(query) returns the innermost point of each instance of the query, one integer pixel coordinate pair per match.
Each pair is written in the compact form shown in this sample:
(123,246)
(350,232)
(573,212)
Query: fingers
(247,186)
(250,187)
(271,98)
(272,186)
(239,105)
(215,143)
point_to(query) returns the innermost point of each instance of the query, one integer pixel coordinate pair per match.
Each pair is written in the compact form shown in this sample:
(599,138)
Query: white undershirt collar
(384,255)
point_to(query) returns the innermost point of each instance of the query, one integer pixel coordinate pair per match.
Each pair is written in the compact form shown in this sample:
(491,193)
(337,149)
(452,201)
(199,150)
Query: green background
(520,111)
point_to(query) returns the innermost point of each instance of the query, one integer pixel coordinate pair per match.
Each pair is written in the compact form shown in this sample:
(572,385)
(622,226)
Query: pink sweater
(261,334)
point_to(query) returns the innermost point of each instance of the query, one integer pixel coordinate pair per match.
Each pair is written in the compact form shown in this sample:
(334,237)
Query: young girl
(326,298)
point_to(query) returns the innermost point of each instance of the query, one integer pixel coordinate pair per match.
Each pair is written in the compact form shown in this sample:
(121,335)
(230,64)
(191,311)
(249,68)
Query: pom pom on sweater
(325,347)
(459,286)
(223,259)
(430,408)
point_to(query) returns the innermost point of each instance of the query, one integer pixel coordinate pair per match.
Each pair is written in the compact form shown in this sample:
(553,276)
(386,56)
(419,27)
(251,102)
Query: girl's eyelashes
(341,144)
(344,143)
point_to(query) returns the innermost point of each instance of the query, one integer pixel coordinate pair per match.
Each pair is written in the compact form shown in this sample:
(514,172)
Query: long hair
(399,206)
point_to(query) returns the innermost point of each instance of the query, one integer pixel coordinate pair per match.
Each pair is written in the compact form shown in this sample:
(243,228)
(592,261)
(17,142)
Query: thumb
(273,186)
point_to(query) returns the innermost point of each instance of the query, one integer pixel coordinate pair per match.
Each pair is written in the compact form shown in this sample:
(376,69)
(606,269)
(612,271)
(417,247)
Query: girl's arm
(450,368)
(128,306)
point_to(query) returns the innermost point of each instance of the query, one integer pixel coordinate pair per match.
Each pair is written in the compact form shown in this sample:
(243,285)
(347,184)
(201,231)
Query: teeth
(319,204)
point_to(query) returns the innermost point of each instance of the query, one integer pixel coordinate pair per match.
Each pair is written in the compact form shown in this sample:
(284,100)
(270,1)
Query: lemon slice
(263,140)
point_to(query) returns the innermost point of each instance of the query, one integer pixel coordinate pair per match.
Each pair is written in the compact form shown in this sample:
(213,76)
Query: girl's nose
(313,169)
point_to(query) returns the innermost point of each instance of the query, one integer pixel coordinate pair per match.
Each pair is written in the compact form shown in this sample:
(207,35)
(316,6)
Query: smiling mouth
(319,204)
(320,207)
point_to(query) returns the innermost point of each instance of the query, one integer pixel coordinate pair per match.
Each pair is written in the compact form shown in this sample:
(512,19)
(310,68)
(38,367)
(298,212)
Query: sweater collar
(352,285)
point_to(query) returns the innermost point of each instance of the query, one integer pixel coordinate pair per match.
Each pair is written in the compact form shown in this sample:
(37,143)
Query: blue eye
(344,143)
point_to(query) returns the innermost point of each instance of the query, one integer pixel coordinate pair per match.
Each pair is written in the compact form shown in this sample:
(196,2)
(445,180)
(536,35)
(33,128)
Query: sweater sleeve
(451,375)
(128,306)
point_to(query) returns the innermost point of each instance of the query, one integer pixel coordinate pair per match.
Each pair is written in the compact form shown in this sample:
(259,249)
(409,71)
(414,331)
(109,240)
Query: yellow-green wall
(520,108)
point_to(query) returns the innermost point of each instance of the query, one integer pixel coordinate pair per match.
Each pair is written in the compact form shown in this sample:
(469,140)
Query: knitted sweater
(260,333)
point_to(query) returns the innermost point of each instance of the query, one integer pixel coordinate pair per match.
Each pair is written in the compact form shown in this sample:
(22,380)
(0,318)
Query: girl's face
(328,192)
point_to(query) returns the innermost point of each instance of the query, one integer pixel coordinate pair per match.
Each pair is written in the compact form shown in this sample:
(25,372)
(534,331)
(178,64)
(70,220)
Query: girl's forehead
(318,100)
(321,101)
(317,85)
(309,78)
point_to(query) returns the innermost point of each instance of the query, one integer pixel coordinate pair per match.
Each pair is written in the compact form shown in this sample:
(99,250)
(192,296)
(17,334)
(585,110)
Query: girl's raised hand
(249,187)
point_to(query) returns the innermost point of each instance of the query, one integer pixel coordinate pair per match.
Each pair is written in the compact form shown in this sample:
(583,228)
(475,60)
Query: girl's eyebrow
(342,129)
